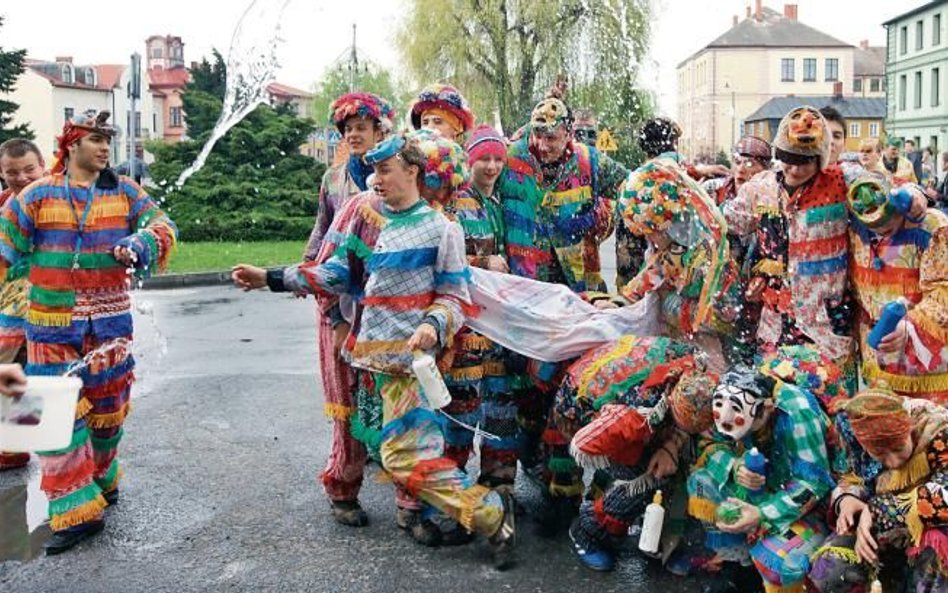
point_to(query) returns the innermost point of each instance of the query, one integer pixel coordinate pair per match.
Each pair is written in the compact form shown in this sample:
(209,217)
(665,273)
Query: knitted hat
(75,129)
(690,401)
(803,135)
(549,114)
(879,420)
(485,140)
(361,105)
(659,135)
(446,163)
(754,147)
(446,98)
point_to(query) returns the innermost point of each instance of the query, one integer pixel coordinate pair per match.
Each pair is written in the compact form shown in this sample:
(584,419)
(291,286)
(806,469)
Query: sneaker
(405,518)
(66,539)
(349,512)
(504,540)
(111,497)
(426,533)
(598,560)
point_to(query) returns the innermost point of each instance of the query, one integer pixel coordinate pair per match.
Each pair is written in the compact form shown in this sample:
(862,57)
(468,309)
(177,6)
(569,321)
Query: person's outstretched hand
(12,380)
(248,277)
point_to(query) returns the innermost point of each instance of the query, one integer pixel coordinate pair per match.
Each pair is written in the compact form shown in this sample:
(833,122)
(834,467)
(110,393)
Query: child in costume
(442,108)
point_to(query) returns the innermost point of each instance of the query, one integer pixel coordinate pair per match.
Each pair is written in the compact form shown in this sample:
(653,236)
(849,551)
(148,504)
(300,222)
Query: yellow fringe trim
(770,267)
(81,514)
(109,209)
(388,347)
(702,509)
(847,554)
(475,342)
(55,213)
(932,327)
(566,490)
(371,216)
(338,411)
(470,500)
(495,369)
(49,319)
(83,407)
(571,196)
(917,385)
(767,209)
(908,506)
(907,476)
(108,420)
(473,373)
(774,588)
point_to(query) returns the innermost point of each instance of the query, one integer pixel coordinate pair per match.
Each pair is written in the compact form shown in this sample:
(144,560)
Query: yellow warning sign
(605,142)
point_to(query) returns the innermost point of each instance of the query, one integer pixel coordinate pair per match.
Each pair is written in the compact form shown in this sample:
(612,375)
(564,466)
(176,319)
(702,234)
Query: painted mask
(806,129)
(734,410)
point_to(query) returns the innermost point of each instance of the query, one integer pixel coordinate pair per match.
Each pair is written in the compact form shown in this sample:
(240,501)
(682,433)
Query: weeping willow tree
(505,54)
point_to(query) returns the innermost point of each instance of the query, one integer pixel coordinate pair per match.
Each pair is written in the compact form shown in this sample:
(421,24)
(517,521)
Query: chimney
(734,23)
(64,59)
(790,11)
(864,44)
(838,90)
(759,11)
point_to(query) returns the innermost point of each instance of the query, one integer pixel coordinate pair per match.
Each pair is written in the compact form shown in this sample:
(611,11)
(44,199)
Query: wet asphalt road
(221,453)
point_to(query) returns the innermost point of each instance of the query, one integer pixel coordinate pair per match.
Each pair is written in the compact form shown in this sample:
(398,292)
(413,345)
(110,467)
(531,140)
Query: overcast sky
(317,32)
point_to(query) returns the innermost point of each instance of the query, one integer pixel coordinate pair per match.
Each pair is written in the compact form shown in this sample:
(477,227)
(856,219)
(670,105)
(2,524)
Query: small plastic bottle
(876,587)
(891,315)
(652,524)
(755,461)
(431,381)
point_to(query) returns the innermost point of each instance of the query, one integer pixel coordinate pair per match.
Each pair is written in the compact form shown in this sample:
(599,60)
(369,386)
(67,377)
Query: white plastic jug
(43,418)
(432,383)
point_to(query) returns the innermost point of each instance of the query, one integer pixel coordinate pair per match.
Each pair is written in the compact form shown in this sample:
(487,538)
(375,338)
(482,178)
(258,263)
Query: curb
(168,281)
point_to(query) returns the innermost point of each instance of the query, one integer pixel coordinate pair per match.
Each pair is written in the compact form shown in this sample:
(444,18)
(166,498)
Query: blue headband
(384,150)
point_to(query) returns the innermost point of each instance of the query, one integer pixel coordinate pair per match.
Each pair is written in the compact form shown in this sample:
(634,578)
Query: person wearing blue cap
(404,265)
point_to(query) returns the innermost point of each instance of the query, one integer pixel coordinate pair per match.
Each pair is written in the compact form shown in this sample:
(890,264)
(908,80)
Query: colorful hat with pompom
(446,98)
(445,161)
(362,105)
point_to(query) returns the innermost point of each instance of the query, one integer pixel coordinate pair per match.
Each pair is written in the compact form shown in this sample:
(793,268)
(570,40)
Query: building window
(786,70)
(919,34)
(67,73)
(156,52)
(855,130)
(873,130)
(809,69)
(903,40)
(874,85)
(857,85)
(832,69)
(176,117)
(154,123)
(918,90)
(68,112)
(936,84)
(903,91)
(936,29)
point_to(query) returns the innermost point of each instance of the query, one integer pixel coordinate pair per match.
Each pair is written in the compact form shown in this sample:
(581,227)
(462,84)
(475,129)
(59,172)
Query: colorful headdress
(485,140)
(445,161)
(660,197)
(809,369)
(690,401)
(879,419)
(549,114)
(871,201)
(88,122)
(443,97)
(385,149)
(659,135)
(362,105)
(754,147)
(802,135)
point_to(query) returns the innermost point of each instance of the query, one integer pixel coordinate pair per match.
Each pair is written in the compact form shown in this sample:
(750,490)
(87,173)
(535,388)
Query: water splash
(251,65)
(120,345)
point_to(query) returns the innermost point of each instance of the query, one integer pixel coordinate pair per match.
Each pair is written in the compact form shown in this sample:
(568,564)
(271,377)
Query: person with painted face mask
(890,509)
(785,524)
(363,119)
(892,256)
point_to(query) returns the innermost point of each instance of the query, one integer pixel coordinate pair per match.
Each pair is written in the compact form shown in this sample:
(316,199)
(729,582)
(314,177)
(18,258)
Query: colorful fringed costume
(910,263)
(402,269)
(909,505)
(619,404)
(799,267)
(79,302)
(798,479)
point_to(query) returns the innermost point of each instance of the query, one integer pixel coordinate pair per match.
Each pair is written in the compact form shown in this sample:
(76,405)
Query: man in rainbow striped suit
(83,226)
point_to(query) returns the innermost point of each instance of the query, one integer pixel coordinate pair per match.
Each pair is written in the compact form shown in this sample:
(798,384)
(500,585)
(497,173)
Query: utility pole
(134,93)
(353,61)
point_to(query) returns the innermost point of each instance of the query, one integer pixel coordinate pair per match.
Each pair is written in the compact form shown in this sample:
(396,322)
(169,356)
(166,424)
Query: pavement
(221,454)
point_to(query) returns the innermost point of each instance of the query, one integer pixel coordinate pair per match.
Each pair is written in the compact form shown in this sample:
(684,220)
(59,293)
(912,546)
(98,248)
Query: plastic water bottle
(432,383)
(892,314)
(876,587)
(755,461)
(652,524)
